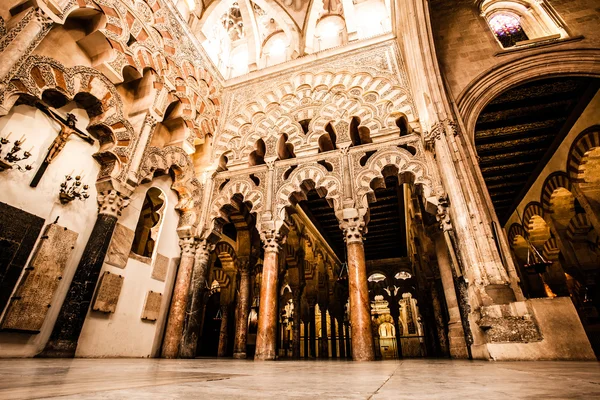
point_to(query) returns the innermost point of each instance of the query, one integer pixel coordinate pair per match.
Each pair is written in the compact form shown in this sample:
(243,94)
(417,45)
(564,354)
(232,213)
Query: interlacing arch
(243,187)
(302,180)
(586,141)
(579,227)
(533,208)
(515,230)
(173,158)
(323,98)
(226,253)
(554,181)
(157,46)
(94,92)
(410,170)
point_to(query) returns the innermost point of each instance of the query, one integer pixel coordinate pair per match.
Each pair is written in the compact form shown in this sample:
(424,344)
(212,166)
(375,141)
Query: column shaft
(243,309)
(333,338)
(179,300)
(312,331)
(456,334)
(341,338)
(223,334)
(360,308)
(305,339)
(296,326)
(324,345)
(348,340)
(68,325)
(191,329)
(267,318)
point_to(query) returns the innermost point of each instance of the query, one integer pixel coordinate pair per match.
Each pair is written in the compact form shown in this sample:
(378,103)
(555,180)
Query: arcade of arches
(267,180)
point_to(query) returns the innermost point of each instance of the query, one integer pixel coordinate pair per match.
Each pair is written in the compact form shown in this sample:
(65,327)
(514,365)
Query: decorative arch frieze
(410,170)
(586,141)
(226,253)
(533,208)
(323,98)
(554,181)
(304,178)
(515,230)
(242,186)
(103,103)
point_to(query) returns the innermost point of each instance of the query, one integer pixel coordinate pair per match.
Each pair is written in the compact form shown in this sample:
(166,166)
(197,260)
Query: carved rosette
(112,203)
(272,240)
(188,248)
(354,229)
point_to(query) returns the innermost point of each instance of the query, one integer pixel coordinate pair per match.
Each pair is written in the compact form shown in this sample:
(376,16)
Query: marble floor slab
(238,379)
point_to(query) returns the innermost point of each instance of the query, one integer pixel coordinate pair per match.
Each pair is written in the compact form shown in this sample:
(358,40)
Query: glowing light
(505,24)
(191,4)
(277,47)
(403,275)
(376,277)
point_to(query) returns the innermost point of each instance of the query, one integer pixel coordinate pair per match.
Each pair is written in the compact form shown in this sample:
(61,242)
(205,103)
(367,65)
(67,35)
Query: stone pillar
(360,309)
(341,338)
(243,310)
(348,339)
(333,338)
(297,322)
(439,320)
(305,339)
(179,300)
(64,337)
(456,333)
(223,335)
(323,344)
(312,329)
(266,337)
(191,329)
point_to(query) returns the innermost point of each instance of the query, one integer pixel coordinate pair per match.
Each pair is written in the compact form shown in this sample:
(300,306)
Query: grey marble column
(191,329)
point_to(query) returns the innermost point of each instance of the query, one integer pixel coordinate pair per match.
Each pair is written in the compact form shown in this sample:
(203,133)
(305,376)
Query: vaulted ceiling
(518,132)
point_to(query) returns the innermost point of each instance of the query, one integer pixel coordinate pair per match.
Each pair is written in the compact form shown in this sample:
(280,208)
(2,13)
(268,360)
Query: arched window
(507,28)
(148,226)
(522,22)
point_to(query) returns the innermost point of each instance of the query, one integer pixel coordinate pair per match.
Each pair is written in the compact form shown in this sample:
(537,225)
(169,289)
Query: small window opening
(507,28)
(146,231)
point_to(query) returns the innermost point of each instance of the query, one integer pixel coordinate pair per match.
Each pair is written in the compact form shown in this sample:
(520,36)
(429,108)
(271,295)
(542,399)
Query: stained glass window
(507,29)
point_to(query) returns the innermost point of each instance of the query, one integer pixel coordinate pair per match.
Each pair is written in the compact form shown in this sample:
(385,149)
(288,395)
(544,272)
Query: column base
(535,329)
(265,357)
(239,356)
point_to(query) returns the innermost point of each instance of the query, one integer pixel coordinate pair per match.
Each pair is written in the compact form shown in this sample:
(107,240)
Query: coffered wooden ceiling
(519,131)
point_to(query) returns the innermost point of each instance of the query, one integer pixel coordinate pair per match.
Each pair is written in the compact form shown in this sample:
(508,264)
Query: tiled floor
(237,379)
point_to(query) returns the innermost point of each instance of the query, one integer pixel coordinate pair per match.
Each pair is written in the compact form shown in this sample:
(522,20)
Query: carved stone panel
(120,246)
(29,306)
(152,306)
(107,294)
(161,267)
(19,231)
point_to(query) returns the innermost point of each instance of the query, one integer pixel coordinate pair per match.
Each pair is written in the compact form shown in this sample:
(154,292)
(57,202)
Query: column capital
(203,250)
(111,202)
(273,235)
(352,223)
(187,245)
(244,265)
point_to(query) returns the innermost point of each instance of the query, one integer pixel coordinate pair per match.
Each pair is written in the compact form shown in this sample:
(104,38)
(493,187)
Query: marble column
(223,334)
(341,338)
(333,338)
(64,337)
(179,300)
(266,337)
(439,320)
(323,344)
(297,322)
(348,340)
(243,310)
(360,309)
(456,333)
(312,330)
(191,329)
(305,339)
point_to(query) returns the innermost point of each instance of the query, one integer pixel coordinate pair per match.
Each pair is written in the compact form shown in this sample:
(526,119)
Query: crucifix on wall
(68,128)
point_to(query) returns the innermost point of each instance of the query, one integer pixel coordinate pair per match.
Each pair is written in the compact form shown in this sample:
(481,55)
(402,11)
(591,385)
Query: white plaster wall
(123,333)
(78,216)
(558,162)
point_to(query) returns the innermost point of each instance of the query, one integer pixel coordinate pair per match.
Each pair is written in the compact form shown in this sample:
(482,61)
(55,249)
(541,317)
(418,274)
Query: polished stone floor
(238,379)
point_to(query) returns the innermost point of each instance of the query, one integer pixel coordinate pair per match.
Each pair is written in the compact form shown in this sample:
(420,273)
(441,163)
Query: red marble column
(296,327)
(360,306)
(223,335)
(266,337)
(174,331)
(243,309)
